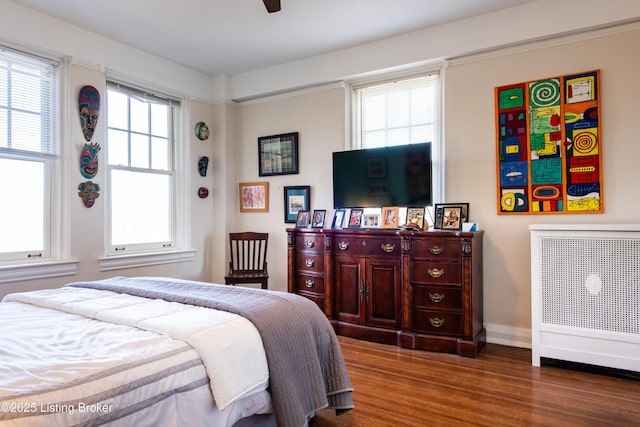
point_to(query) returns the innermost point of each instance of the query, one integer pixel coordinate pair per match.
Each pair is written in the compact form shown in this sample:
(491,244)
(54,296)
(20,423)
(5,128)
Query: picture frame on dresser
(338,219)
(415,218)
(390,215)
(303,219)
(317,220)
(355,218)
(439,209)
(452,218)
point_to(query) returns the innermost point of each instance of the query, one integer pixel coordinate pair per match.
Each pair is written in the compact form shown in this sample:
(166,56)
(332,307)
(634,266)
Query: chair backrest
(248,251)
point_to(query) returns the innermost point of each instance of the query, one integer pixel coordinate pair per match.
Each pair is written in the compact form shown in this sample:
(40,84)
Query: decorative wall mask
(89,106)
(88,192)
(89,160)
(203,164)
(203,192)
(202,131)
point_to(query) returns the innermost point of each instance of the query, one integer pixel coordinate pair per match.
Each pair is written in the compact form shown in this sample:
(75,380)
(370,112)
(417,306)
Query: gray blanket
(306,367)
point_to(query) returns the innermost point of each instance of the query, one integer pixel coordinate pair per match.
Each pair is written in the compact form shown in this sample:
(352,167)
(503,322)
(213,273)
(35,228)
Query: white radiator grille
(591,283)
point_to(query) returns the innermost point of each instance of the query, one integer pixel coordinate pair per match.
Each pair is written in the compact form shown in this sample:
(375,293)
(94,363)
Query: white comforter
(228,344)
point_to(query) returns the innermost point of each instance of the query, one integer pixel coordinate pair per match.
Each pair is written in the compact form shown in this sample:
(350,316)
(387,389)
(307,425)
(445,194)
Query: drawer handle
(343,245)
(435,322)
(435,273)
(436,250)
(309,283)
(309,262)
(388,247)
(436,297)
(309,243)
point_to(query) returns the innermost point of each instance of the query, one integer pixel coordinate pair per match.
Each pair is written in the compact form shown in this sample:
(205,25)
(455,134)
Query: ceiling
(237,36)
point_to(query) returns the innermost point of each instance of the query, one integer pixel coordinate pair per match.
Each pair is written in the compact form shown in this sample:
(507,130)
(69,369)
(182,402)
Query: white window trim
(59,263)
(353,124)
(182,252)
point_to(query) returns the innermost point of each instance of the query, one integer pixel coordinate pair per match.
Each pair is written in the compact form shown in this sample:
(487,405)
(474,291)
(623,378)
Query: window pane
(28,96)
(159,154)
(118,110)
(139,151)
(4,92)
(159,123)
(4,129)
(118,147)
(25,131)
(374,114)
(22,213)
(140,207)
(139,116)
(398,109)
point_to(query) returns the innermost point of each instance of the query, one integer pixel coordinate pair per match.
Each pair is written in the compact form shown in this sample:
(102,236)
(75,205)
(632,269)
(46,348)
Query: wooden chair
(248,259)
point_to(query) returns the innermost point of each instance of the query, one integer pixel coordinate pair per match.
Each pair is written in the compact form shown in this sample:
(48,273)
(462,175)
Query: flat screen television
(387,176)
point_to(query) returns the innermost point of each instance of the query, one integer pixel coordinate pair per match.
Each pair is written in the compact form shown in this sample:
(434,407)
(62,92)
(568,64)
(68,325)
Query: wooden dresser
(420,289)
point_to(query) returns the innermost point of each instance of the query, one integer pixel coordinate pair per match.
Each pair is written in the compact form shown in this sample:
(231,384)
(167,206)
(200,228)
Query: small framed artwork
(371,221)
(338,219)
(390,216)
(452,218)
(415,218)
(439,209)
(303,219)
(317,221)
(296,199)
(278,154)
(355,219)
(254,196)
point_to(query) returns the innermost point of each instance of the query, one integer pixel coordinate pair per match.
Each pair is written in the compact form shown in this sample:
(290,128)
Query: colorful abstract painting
(549,148)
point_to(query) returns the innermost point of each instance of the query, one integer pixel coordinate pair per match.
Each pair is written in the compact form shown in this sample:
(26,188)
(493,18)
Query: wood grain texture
(395,386)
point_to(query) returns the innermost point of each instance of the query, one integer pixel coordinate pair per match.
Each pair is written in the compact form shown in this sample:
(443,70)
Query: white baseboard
(508,335)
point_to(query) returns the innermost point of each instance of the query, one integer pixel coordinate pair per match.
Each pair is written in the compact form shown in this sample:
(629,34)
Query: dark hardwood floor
(400,387)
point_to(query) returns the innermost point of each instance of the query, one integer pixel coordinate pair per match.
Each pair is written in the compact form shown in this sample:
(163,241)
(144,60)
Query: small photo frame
(317,221)
(355,218)
(296,199)
(303,219)
(371,221)
(415,218)
(338,219)
(254,196)
(452,218)
(439,213)
(278,154)
(390,216)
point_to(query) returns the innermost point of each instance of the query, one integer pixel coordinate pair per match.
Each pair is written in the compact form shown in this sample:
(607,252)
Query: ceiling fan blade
(272,5)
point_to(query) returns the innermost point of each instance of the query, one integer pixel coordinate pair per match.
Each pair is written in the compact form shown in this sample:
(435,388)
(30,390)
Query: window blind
(28,103)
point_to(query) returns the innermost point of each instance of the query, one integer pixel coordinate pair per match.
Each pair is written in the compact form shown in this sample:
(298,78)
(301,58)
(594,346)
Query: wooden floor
(401,387)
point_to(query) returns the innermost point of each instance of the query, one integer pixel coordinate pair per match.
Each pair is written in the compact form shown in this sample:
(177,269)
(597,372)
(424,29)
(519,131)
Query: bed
(159,351)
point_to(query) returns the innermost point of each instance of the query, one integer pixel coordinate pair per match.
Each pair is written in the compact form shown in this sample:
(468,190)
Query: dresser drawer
(437,249)
(436,272)
(310,262)
(366,246)
(436,297)
(436,322)
(310,242)
(309,283)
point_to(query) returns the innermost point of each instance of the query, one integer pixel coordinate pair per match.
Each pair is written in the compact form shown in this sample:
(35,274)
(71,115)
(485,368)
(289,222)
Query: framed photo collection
(450,216)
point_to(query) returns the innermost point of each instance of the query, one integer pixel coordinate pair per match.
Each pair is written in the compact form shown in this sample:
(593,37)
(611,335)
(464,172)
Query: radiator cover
(585,294)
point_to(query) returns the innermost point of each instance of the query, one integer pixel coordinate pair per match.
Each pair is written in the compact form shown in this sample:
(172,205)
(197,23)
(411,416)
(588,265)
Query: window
(141,171)
(403,111)
(28,155)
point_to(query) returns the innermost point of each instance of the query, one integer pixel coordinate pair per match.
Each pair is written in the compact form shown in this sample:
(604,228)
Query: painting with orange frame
(549,145)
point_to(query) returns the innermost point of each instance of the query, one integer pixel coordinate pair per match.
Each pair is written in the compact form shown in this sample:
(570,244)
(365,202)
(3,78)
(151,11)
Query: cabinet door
(382,293)
(349,289)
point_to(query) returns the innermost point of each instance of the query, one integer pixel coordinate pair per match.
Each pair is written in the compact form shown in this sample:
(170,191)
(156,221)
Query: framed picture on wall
(278,154)
(296,198)
(254,196)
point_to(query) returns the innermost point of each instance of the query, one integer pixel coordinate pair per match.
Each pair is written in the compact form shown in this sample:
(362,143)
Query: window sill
(118,262)
(37,270)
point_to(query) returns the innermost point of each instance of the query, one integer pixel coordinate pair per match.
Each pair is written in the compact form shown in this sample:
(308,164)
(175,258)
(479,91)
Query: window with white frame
(141,171)
(28,154)
(398,112)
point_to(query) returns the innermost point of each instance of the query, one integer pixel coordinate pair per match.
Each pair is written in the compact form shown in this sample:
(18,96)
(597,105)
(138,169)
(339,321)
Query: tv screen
(388,176)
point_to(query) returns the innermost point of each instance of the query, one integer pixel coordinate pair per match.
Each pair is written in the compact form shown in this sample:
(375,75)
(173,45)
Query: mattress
(74,356)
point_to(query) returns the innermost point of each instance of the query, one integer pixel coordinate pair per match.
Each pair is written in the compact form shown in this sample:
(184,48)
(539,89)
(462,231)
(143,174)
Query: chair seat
(241,275)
